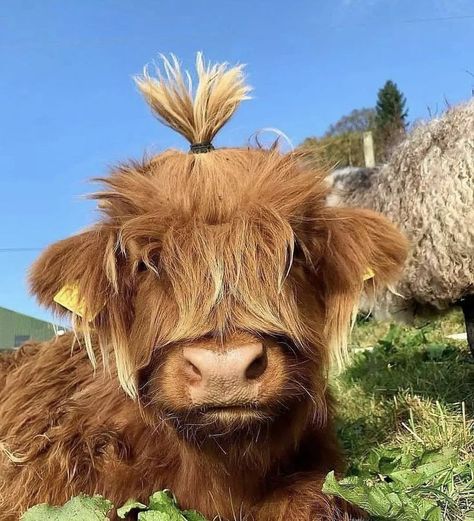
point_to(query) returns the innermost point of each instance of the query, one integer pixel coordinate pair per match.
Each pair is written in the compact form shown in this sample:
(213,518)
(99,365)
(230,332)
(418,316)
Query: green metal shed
(16,328)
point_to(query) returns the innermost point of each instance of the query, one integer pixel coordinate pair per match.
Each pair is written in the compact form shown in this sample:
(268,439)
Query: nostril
(257,367)
(193,370)
(193,364)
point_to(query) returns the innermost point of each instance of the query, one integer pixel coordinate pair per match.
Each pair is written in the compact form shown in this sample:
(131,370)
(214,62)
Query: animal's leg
(302,500)
(467,305)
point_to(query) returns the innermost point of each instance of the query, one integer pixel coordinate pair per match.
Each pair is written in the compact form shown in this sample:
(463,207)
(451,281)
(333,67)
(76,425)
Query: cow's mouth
(223,421)
(243,413)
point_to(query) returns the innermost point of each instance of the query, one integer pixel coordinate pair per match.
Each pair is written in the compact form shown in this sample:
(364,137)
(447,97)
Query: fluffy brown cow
(208,298)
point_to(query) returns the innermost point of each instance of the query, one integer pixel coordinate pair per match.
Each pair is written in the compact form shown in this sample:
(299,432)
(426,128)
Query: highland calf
(207,304)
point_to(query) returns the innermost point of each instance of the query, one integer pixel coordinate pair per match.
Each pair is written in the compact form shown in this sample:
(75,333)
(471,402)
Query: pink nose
(231,372)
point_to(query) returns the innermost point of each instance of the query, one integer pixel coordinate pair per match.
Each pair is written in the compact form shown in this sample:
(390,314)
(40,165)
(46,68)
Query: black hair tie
(201,148)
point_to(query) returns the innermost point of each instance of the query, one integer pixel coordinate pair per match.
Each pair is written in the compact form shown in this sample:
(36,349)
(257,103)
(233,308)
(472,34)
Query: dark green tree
(391,106)
(390,118)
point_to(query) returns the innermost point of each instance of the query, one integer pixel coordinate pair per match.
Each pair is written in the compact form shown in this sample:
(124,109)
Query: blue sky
(69,108)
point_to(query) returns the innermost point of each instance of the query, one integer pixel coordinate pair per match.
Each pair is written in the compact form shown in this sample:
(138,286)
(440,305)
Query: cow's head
(221,281)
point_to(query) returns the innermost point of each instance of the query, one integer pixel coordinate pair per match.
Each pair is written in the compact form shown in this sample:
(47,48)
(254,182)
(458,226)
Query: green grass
(410,390)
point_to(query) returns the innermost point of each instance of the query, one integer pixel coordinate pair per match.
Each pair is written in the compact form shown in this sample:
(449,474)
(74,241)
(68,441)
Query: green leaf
(130,505)
(433,514)
(383,500)
(192,515)
(418,476)
(386,460)
(80,508)
(355,491)
(164,503)
(155,515)
(162,500)
(436,455)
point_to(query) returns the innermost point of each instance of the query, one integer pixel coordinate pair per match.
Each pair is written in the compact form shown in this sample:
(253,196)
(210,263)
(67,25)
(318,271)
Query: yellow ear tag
(68,297)
(369,274)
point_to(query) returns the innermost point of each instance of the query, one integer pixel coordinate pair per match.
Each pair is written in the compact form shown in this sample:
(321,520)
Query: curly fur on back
(427,188)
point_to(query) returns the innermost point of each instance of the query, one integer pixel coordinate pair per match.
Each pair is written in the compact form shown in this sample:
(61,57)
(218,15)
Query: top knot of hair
(197,114)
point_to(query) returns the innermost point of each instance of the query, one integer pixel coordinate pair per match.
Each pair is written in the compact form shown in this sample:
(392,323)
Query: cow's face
(220,282)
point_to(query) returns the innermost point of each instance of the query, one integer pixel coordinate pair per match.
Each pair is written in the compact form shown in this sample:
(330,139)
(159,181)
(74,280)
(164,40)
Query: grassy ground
(409,393)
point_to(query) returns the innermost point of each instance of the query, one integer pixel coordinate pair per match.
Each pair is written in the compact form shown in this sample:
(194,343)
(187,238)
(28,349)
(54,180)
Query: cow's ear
(362,253)
(77,274)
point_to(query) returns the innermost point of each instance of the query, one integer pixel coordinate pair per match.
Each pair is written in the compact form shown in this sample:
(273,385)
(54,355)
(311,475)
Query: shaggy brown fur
(205,250)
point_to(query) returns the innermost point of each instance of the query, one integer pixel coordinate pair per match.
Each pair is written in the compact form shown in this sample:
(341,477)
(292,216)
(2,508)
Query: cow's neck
(224,475)
(212,480)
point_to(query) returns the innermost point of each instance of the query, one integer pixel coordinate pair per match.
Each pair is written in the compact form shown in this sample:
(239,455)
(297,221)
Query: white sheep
(427,188)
